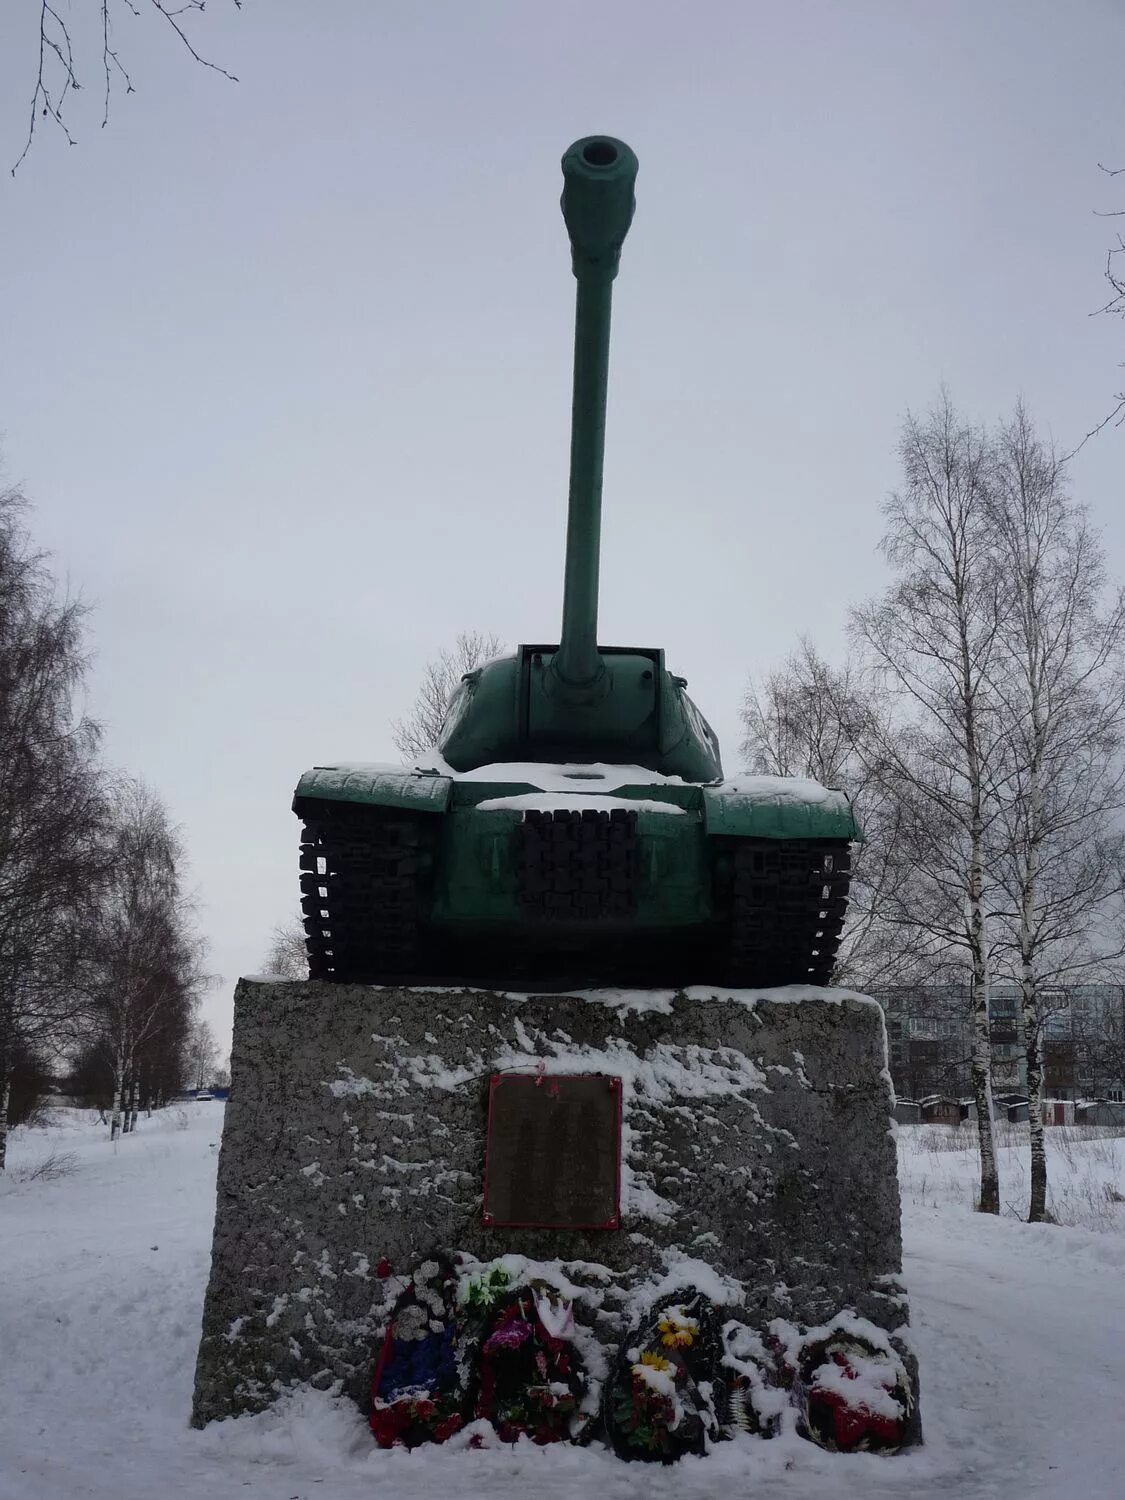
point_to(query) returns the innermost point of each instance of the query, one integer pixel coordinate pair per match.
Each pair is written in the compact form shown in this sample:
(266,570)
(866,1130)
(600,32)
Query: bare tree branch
(171,15)
(57,71)
(288,955)
(419,731)
(1116,417)
(110,59)
(1116,304)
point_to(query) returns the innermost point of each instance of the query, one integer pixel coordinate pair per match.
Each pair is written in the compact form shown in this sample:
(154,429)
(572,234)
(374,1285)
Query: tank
(575,827)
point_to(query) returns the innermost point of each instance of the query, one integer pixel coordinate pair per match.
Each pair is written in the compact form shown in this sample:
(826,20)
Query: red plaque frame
(542,1093)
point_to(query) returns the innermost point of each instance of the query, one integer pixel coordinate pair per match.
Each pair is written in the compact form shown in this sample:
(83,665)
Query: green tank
(575,828)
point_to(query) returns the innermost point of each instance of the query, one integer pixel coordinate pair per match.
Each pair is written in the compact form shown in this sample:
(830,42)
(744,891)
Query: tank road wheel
(365,889)
(788,902)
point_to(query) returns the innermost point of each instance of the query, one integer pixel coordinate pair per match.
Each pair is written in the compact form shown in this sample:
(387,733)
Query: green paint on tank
(665,874)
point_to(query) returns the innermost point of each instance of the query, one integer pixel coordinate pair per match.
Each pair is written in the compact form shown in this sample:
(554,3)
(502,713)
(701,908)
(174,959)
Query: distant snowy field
(1020,1331)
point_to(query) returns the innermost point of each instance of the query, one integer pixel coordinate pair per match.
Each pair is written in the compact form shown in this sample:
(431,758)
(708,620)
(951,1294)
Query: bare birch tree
(142,960)
(808,718)
(203,1053)
(52,800)
(419,731)
(288,955)
(931,640)
(1059,676)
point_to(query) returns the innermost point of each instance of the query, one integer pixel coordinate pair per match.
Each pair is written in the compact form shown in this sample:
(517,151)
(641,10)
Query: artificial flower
(508,1336)
(677,1332)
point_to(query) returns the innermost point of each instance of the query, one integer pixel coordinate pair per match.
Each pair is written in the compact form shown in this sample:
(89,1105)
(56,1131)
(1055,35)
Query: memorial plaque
(553,1156)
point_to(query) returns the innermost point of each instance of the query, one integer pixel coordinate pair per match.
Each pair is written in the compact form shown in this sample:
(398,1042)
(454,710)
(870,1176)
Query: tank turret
(579,701)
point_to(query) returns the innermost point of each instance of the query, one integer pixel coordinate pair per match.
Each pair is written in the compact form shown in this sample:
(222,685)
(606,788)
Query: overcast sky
(285,364)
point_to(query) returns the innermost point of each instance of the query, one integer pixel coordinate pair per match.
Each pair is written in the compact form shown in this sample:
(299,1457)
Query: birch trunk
(981,1069)
(1029,996)
(1037,1213)
(5,1084)
(115,1109)
(132,1125)
(5,1100)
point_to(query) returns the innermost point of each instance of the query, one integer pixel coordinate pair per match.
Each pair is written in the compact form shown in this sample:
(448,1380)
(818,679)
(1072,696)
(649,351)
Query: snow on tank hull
(542,876)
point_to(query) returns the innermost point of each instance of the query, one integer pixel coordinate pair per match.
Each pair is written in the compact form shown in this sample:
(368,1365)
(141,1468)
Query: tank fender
(778,807)
(376,786)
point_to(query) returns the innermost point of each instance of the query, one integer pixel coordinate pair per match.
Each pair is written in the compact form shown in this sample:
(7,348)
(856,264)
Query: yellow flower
(654,1362)
(677,1333)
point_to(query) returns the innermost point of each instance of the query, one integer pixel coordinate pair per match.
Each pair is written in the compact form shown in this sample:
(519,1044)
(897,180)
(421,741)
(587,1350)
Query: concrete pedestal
(756,1152)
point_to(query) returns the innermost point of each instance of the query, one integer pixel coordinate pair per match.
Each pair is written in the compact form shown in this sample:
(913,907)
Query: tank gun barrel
(597,203)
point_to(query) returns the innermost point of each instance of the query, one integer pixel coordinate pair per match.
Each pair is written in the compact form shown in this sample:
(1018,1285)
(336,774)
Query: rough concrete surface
(756,1139)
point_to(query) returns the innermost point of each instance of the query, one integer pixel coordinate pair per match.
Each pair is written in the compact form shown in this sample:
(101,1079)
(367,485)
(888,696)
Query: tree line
(101,964)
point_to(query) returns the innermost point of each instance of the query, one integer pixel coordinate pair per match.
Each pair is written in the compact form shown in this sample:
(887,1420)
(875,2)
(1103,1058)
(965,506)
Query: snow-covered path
(1020,1332)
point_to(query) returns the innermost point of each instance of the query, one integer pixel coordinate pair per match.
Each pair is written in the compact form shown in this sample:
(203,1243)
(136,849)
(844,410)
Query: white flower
(411,1323)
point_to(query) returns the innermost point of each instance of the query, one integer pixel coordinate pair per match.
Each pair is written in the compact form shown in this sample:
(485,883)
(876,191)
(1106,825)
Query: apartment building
(930,1043)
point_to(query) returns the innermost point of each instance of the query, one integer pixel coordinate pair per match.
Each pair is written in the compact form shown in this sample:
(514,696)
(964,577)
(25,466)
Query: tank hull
(541,876)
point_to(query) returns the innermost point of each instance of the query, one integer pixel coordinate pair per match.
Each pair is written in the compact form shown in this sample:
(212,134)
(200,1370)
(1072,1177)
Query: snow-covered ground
(1020,1331)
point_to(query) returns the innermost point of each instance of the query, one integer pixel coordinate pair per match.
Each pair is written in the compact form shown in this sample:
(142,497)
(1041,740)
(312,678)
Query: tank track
(367,877)
(583,865)
(788,900)
(365,881)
